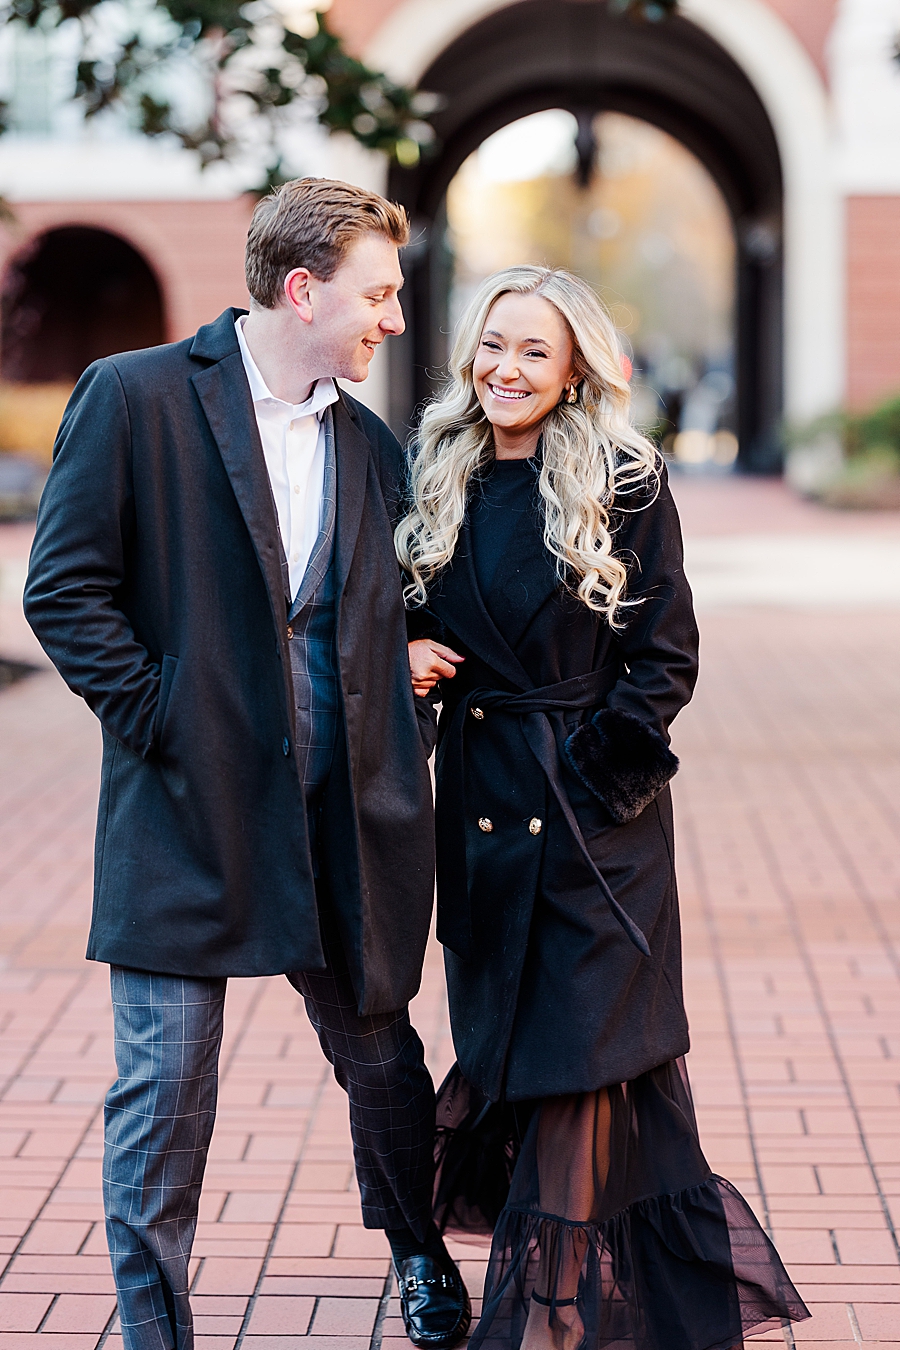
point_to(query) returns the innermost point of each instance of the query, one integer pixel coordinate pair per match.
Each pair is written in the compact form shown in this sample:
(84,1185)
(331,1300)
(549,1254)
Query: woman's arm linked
(429,662)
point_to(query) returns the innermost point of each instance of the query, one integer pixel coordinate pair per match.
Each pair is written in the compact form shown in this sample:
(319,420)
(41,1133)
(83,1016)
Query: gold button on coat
(535,825)
(478,714)
(290,632)
(485,824)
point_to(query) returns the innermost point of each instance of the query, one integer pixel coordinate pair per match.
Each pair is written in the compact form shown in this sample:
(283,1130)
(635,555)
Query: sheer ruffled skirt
(609,1230)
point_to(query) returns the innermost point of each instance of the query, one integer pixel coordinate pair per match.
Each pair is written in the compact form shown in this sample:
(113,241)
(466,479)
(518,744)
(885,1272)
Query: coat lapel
(457,601)
(225,395)
(352,463)
(525,579)
(320,558)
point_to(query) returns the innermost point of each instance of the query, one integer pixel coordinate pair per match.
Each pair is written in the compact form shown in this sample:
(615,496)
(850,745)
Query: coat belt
(534,707)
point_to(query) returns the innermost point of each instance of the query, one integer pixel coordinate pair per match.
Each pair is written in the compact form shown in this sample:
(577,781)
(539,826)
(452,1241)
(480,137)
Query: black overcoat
(549,990)
(156,588)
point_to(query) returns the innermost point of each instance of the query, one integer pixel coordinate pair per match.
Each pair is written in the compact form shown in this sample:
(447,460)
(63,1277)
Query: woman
(543,551)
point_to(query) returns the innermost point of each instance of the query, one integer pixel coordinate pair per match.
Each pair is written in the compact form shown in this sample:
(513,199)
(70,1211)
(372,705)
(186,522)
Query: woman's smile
(524,338)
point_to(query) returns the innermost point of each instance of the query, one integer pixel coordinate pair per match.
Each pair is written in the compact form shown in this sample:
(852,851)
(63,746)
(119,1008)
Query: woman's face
(523,362)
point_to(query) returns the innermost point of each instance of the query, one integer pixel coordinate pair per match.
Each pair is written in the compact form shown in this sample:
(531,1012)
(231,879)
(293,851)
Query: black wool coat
(555,843)
(156,588)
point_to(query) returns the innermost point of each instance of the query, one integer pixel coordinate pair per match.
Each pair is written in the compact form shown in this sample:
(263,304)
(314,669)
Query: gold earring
(571,393)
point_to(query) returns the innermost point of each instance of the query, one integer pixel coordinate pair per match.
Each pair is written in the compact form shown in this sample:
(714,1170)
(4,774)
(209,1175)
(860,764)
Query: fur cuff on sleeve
(622,761)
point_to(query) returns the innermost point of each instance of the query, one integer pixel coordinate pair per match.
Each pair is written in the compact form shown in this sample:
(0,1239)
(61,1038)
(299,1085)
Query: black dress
(604,1212)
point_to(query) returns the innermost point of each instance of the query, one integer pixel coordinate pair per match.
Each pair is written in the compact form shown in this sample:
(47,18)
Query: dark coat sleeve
(392,473)
(389,458)
(622,754)
(78,563)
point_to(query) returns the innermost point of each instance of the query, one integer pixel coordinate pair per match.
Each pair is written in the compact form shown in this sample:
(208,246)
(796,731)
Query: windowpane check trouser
(160,1113)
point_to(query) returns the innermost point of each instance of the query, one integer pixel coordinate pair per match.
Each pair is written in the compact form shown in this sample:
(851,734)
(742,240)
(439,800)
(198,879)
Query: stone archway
(73,294)
(537,54)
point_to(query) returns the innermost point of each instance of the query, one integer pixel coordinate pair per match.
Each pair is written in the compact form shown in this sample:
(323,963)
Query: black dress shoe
(434,1301)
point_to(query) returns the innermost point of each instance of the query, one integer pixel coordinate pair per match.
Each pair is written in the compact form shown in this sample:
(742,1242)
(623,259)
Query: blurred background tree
(226,77)
(221,76)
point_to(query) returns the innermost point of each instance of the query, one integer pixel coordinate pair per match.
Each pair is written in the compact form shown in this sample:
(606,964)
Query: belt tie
(535,707)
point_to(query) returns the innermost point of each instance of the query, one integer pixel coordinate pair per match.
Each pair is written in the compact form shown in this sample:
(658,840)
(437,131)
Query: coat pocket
(166,678)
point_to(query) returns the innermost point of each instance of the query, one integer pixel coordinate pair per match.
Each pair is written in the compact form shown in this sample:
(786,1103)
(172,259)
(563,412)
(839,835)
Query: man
(214,572)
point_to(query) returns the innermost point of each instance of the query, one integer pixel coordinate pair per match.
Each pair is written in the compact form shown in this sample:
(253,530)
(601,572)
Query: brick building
(792,105)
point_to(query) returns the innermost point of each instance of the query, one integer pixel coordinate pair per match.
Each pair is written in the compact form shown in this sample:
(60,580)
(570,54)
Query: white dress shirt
(293,442)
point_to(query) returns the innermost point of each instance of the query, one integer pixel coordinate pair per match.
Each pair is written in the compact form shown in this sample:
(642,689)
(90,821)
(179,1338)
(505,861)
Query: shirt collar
(321,395)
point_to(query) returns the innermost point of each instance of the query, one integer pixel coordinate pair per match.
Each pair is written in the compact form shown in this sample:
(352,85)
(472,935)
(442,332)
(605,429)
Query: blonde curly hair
(592,452)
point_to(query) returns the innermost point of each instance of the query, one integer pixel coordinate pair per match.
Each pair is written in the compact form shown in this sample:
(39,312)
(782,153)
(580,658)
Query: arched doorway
(640,218)
(541,54)
(74,294)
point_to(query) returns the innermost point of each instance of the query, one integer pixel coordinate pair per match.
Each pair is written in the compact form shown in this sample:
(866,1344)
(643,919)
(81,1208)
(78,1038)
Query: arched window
(72,295)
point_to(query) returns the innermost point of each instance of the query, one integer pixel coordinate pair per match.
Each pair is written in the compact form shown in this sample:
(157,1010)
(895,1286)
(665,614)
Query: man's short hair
(312,222)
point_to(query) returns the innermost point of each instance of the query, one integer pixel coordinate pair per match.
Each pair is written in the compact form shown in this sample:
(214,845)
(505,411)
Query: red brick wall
(873,299)
(811,20)
(358,20)
(195,248)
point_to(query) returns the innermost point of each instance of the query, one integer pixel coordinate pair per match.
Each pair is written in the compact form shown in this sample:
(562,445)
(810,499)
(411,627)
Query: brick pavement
(790,870)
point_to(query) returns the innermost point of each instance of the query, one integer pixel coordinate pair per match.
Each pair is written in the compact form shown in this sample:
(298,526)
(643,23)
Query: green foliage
(874,432)
(380,114)
(249,61)
(866,439)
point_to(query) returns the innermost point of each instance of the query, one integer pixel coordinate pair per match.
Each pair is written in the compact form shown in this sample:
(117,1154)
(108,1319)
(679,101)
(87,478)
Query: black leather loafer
(434,1301)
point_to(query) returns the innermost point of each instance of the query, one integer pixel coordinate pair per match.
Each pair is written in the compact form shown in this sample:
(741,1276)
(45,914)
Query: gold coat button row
(535,825)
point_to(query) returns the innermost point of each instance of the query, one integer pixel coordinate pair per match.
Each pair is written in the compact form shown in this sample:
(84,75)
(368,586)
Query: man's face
(358,308)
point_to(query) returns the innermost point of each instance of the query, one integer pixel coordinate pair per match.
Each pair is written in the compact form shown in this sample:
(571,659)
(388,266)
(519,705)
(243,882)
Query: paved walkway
(789,850)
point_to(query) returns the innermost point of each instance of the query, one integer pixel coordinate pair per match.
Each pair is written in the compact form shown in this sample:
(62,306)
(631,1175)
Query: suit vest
(311,627)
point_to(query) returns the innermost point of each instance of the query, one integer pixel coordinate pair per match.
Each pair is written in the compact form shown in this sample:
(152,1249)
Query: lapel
(320,558)
(457,601)
(352,454)
(525,579)
(224,395)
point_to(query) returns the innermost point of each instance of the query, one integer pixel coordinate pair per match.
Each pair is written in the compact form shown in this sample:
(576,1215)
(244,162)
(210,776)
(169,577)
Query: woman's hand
(429,662)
